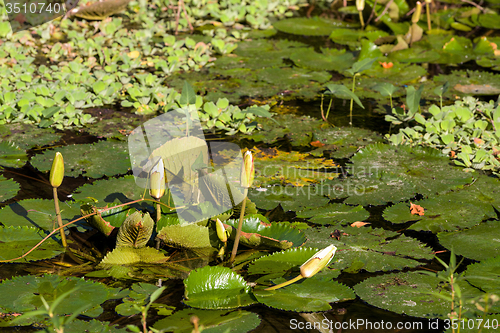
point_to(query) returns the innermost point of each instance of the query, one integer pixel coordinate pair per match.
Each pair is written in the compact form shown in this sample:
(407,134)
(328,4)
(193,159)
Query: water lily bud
(416,15)
(318,261)
(57,171)
(157,180)
(360,5)
(247,170)
(221,231)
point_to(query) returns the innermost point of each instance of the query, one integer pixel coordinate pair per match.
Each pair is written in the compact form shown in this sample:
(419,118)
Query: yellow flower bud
(247,170)
(157,180)
(360,5)
(221,231)
(416,14)
(318,261)
(57,171)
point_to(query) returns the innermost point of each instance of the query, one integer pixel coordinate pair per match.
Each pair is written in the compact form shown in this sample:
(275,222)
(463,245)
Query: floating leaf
(310,295)
(305,26)
(369,249)
(11,155)
(289,197)
(133,256)
(188,236)
(8,188)
(408,293)
(216,288)
(27,136)
(335,214)
(335,89)
(16,241)
(92,160)
(221,321)
(478,243)
(100,10)
(258,234)
(135,231)
(38,213)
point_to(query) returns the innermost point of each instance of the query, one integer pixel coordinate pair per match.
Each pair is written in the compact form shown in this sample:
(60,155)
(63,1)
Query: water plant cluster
(326,202)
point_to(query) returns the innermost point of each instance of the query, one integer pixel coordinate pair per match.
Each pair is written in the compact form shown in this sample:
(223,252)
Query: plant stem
(361,19)
(240,224)
(158,212)
(352,100)
(59,219)
(427,9)
(286,283)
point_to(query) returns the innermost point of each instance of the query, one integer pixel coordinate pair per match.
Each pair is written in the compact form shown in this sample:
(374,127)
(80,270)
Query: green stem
(352,100)
(158,212)
(59,219)
(427,9)
(240,224)
(361,19)
(286,283)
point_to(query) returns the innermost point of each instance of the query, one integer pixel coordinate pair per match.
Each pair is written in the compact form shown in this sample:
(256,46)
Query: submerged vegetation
(315,206)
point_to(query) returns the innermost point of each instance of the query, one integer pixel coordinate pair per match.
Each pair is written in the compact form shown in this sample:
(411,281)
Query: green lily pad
(8,188)
(330,60)
(216,288)
(27,136)
(427,169)
(92,326)
(256,234)
(139,296)
(16,241)
(278,167)
(92,160)
(38,213)
(11,155)
(213,321)
(369,249)
(188,236)
(479,243)
(111,190)
(444,213)
(305,26)
(133,256)
(288,78)
(289,197)
(135,231)
(471,82)
(415,55)
(408,293)
(310,295)
(112,124)
(485,275)
(22,294)
(335,214)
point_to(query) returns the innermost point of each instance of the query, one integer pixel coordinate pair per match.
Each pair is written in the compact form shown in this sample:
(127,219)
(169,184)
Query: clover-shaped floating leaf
(135,231)
(16,241)
(425,168)
(36,213)
(478,243)
(335,213)
(11,155)
(23,293)
(369,249)
(409,293)
(92,160)
(216,288)
(310,295)
(220,320)
(289,197)
(8,188)
(256,233)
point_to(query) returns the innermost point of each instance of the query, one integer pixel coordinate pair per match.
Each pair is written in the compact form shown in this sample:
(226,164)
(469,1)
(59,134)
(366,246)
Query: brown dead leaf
(416,209)
(359,224)
(317,144)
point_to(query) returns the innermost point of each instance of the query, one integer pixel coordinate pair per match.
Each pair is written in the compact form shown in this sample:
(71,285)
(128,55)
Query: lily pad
(328,61)
(16,241)
(425,168)
(135,231)
(288,78)
(188,236)
(305,26)
(133,256)
(91,160)
(8,188)
(277,167)
(479,243)
(408,293)
(216,288)
(310,295)
(256,234)
(27,136)
(38,213)
(22,294)
(335,214)
(213,321)
(11,155)
(111,190)
(289,197)
(471,82)
(485,275)
(369,249)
